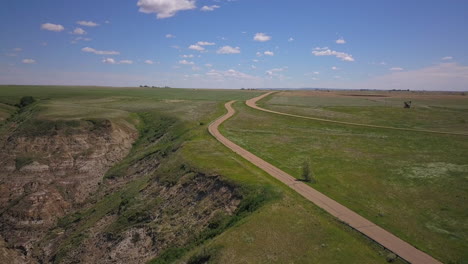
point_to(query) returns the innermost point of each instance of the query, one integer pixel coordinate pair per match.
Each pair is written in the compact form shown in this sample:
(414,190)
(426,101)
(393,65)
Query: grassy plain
(285,228)
(413,184)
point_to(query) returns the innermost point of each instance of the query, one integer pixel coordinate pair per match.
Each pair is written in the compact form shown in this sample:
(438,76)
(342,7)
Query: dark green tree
(26,100)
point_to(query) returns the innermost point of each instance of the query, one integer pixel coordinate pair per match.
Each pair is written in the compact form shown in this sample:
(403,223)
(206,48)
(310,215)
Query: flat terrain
(279,227)
(411,183)
(374,232)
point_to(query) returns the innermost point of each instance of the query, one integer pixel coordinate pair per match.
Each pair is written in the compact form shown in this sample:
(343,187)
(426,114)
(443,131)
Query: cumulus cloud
(290,39)
(396,69)
(17,49)
(340,41)
(228,50)
(79,31)
(186,62)
(261,37)
(205,43)
(170,36)
(87,23)
(196,47)
(165,8)
(209,8)
(28,61)
(328,52)
(187,56)
(447,58)
(112,61)
(208,65)
(269,53)
(149,62)
(100,52)
(52,27)
(334,68)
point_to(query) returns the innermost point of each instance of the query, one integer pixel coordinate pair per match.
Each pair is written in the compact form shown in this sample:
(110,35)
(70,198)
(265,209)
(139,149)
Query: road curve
(253,104)
(369,229)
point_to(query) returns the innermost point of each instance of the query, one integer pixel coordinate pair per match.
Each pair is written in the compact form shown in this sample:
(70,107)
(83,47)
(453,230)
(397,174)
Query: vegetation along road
(253,104)
(374,232)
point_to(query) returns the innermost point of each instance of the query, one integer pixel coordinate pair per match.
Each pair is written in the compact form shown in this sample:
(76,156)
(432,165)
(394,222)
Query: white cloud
(272,71)
(186,62)
(228,50)
(229,74)
(109,61)
(112,61)
(209,8)
(187,56)
(29,61)
(52,27)
(253,67)
(396,69)
(79,31)
(17,49)
(205,43)
(261,37)
(149,62)
(196,47)
(269,53)
(334,68)
(208,65)
(170,36)
(100,52)
(290,39)
(316,73)
(447,58)
(327,52)
(340,41)
(165,8)
(87,23)
(255,60)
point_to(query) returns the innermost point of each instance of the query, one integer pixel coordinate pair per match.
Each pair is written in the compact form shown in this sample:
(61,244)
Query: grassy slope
(286,229)
(413,184)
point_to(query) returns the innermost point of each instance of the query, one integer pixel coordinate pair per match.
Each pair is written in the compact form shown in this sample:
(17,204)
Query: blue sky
(236,43)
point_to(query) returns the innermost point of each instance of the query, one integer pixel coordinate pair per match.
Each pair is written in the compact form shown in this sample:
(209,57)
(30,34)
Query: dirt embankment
(60,204)
(47,174)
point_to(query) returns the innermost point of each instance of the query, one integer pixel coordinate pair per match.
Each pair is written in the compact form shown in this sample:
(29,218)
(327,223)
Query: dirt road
(374,232)
(253,103)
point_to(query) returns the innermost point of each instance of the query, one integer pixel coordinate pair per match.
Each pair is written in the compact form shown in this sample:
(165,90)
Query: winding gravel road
(369,229)
(253,104)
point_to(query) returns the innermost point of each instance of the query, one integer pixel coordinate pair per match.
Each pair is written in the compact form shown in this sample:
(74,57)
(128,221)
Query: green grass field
(285,229)
(413,184)
(431,111)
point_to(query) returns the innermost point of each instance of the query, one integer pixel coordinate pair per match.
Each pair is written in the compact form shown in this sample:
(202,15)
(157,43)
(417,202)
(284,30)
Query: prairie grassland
(286,228)
(430,110)
(413,184)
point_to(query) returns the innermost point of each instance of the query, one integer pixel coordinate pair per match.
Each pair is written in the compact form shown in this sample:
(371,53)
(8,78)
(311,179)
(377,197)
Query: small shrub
(391,257)
(20,162)
(25,101)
